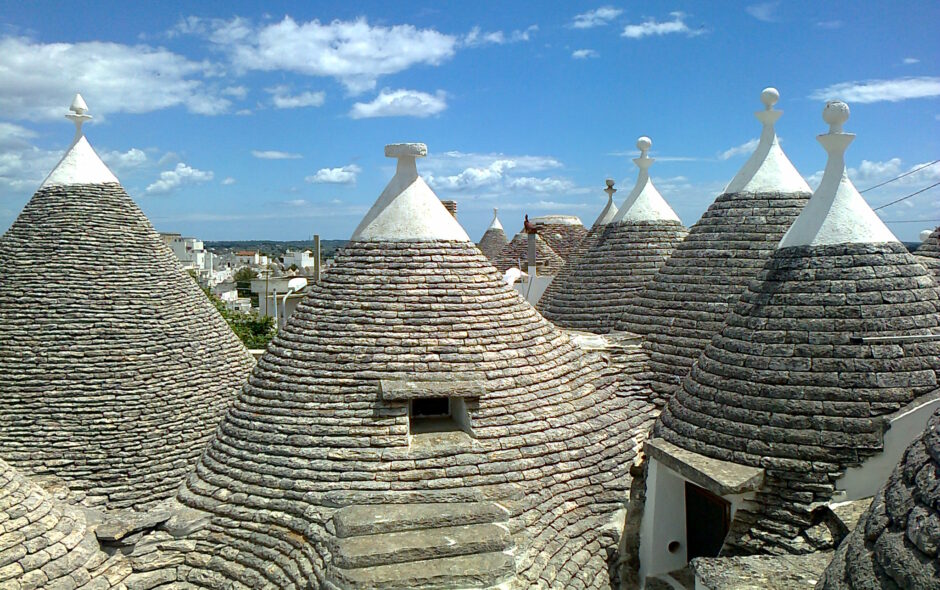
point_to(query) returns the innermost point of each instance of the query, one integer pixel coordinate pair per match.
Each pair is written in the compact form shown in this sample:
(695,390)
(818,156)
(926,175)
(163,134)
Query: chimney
(451,206)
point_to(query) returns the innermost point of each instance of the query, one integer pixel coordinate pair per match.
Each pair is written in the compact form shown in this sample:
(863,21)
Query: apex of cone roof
(644,203)
(768,169)
(610,210)
(408,210)
(495,224)
(80,164)
(836,213)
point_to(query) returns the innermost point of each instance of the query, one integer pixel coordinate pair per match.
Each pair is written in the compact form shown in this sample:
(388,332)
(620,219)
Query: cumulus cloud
(880,90)
(342,175)
(652,27)
(745,148)
(228,181)
(541,185)
(910,61)
(584,53)
(281,98)
(171,180)
(401,103)
(477,37)
(353,52)
(274,155)
(121,161)
(596,18)
(765,11)
(39,79)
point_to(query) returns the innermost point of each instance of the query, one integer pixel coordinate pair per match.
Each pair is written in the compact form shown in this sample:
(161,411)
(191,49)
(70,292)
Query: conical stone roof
(516,254)
(798,382)
(47,544)
(592,292)
(563,233)
(895,542)
(494,238)
(116,367)
(319,477)
(687,301)
(929,252)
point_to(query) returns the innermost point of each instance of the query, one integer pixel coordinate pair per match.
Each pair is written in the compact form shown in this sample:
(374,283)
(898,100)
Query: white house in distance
(251,258)
(299,258)
(275,295)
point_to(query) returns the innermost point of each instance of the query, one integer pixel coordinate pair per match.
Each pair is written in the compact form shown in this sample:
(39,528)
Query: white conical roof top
(495,224)
(80,164)
(610,211)
(644,203)
(408,210)
(836,213)
(768,170)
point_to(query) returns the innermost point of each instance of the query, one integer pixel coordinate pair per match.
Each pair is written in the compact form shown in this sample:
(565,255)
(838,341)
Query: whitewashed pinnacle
(836,213)
(610,210)
(495,224)
(80,164)
(644,203)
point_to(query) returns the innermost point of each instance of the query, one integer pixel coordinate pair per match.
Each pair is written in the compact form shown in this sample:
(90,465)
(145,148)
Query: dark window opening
(438,414)
(434,407)
(707,521)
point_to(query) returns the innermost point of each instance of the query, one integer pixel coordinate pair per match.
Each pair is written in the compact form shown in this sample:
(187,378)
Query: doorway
(707,521)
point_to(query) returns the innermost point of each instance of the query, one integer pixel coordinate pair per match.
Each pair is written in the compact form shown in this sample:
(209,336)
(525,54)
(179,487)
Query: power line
(914,221)
(907,197)
(908,173)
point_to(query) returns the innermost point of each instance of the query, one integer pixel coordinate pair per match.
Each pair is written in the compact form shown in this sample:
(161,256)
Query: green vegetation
(254,331)
(245,275)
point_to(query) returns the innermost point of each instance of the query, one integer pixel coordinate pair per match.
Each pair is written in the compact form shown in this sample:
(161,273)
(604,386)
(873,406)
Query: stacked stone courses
(895,543)
(929,252)
(516,254)
(592,292)
(788,386)
(47,544)
(563,238)
(688,299)
(115,368)
(492,243)
(554,432)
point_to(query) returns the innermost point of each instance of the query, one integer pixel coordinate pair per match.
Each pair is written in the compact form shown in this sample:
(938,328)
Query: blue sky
(226,121)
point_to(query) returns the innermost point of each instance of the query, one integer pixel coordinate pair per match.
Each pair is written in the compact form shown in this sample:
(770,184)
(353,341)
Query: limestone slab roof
(791,385)
(494,238)
(116,367)
(563,233)
(516,252)
(929,252)
(550,435)
(47,544)
(686,302)
(895,543)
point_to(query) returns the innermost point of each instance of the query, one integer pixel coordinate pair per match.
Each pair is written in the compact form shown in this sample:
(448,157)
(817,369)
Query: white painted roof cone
(836,213)
(495,224)
(768,169)
(610,210)
(408,210)
(80,164)
(644,203)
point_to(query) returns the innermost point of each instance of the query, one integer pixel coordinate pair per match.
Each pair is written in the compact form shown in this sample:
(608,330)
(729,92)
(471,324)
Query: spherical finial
(769,96)
(644,143)
(610,182)
(835,115)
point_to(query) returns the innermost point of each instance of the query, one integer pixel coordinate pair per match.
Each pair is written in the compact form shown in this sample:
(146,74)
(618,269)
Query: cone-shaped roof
(687,301)
(592,291)
(895,542)
(321,461)
(115,366)
(798,377)
(929,252)
(494,238)
(610,209)
(47,544)
(516,254)
(563,233)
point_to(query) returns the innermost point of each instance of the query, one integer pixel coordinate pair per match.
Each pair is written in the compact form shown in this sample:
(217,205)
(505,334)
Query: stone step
(496,493)
(478,571)
(353,521)
(389,548)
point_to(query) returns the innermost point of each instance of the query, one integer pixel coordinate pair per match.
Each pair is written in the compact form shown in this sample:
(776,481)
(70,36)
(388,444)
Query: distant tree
(245,274)
(254,331)
(293,267)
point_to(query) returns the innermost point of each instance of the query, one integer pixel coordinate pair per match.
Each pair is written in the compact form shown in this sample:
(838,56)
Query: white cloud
(880,90)
(653,27)
(596,18)
(829,24)
(170,180)
(910,61)
(584,53)
(401,103)
(228,181)
(122,161)
(476,37)
(343,175)
(235,91)
(353,52)
(541,185)
(283,99)
(274,155)
(745,148)
(765,11)
(11,134)
(39,79)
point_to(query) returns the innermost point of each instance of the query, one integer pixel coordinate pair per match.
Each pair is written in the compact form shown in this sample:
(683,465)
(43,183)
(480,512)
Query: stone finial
(644,144)
(610,190)
(769,96)
(77,114)
(835,114)
(495,212)
(406,150)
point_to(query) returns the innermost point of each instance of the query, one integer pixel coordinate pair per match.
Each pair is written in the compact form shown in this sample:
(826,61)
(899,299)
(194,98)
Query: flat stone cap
(404,150)
(716,476)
